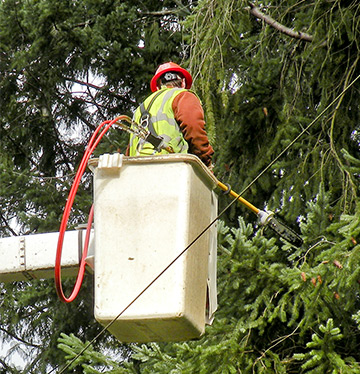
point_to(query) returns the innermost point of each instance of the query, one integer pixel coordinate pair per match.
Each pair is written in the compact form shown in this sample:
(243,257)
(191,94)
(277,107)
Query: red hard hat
(170,66)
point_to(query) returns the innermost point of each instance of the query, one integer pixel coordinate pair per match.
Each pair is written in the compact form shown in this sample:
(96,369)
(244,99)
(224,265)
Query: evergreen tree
(281,309)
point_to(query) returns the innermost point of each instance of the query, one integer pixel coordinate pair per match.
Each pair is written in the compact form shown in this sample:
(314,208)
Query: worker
(173,114)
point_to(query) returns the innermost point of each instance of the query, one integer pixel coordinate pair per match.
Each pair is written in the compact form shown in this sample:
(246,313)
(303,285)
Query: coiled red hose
(94,141)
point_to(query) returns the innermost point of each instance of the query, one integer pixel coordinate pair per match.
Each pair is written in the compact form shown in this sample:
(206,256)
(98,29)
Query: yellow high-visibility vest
(163,122)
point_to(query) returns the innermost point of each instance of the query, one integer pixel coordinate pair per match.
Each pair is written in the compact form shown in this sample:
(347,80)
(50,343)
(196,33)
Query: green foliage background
(281,309)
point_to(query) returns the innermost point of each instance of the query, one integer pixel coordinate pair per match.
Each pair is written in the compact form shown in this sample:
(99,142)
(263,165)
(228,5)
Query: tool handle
(224,187)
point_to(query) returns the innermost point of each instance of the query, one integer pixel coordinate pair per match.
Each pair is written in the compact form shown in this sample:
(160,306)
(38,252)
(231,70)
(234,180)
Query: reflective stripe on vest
(164,124)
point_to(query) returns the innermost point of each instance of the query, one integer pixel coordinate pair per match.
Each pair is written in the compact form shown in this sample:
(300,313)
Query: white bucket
(147,210)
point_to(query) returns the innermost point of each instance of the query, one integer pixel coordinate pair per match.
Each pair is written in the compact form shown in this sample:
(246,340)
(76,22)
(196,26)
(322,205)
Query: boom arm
(33,256)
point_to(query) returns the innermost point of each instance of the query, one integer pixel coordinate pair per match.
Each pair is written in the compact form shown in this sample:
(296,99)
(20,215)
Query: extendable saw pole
(228,190)
(266,218)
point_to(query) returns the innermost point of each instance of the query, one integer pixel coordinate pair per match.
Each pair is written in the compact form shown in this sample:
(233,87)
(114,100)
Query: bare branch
(100,88)
(255,11)
(165,12)
(5,366)
(7,225)
(19,339)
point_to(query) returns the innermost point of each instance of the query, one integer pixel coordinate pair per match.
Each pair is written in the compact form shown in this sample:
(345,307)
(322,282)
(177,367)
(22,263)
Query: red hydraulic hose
(94,141)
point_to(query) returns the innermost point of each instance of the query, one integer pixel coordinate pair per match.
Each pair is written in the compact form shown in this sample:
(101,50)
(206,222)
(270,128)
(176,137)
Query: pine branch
(5,366)
(255,11)
(81,117)
(93,100)
(60,144)
(165,12)
(7,224)
(99,88)
(21,150)
(19,339)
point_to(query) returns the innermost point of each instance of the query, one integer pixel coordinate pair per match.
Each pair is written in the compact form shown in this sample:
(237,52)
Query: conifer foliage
(282,309)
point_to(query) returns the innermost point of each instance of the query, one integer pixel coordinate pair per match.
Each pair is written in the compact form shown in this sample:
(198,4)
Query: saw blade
(285,232)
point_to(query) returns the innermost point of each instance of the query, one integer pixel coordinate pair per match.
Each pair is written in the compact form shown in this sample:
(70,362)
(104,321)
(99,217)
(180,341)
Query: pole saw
(266,218)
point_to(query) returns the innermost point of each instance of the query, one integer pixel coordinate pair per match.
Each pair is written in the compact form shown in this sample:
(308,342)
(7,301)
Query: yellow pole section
(239,198)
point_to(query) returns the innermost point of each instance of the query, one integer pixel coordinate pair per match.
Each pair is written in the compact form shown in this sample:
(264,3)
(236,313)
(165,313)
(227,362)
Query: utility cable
(209,225)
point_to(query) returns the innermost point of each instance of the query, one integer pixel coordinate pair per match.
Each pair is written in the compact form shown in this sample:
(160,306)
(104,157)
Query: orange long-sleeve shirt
(189,114)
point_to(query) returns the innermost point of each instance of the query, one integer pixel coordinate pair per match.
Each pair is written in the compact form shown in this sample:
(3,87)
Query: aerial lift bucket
(146,211)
